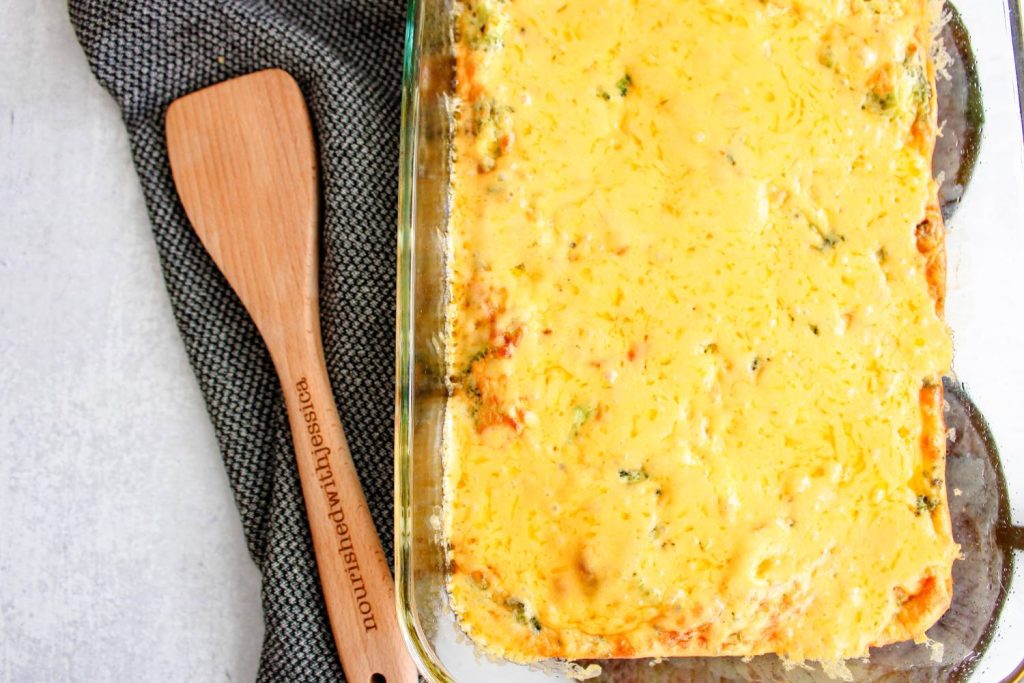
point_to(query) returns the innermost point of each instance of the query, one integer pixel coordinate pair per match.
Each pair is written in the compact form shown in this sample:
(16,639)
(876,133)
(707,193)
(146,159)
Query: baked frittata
(695,335)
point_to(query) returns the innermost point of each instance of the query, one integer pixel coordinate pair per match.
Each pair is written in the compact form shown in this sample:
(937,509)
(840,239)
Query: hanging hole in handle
(378,678)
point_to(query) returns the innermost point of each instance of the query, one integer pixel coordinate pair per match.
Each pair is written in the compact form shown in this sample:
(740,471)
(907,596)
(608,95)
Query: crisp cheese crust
(695,340)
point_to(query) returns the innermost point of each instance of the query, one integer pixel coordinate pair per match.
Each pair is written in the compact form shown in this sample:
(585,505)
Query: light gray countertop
(121,552)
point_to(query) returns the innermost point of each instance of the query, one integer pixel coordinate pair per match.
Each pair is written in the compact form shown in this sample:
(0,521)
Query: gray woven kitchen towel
(346,56)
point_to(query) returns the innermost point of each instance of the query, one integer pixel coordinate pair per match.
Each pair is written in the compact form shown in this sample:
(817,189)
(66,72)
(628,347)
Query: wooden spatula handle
(354,572)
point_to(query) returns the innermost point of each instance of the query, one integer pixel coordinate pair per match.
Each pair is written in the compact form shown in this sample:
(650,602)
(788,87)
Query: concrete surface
(121,553)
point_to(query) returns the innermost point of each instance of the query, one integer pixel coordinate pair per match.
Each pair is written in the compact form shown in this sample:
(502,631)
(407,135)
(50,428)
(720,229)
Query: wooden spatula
(243,160)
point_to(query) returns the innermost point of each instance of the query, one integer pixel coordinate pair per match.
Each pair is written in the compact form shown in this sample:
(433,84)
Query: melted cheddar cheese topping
(693,344)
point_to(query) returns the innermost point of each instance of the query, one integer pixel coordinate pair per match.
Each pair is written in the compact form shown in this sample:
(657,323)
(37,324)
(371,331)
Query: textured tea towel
(346,56)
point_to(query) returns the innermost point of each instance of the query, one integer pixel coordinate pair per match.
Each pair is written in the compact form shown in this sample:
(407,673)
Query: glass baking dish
(983,633)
